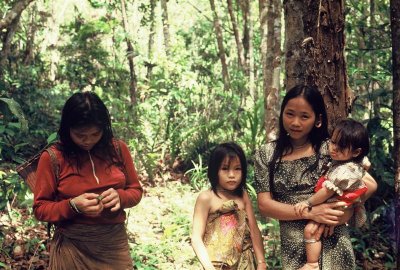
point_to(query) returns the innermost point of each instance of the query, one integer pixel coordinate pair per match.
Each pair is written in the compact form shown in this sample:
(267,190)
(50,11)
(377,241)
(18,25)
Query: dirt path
(160,228)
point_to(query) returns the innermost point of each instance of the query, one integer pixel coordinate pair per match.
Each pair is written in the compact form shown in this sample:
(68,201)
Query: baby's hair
(352,134)
(220,152)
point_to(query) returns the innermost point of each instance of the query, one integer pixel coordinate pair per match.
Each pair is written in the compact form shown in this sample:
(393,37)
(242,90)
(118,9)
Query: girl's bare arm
(201,210)
(255,233)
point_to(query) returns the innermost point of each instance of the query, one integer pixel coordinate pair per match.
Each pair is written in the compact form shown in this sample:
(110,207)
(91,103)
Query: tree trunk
(30,39)
(236,33)
(8,26)
(165,22)
(395,27)
(245,7)
(221,49)
(252,88)
(6,39)
(315,52)
(150,63)
(130,55)
(14,13)
(270,15)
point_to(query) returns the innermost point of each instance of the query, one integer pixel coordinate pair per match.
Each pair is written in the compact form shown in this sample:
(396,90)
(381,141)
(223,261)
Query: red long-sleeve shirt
(51,200)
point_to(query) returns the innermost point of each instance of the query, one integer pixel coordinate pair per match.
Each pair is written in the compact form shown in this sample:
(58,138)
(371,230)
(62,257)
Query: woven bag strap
(54,163)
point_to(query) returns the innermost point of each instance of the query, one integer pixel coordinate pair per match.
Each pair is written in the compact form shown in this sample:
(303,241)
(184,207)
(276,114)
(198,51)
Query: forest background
(178,77)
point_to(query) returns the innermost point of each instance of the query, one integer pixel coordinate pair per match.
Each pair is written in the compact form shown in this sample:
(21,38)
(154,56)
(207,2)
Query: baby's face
(338,153)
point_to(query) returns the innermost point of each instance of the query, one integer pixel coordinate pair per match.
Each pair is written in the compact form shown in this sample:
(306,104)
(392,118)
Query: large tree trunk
(236,33)
(130,55)
(165,22)
(315,52)
(270,16)
(395,27)
(221,49)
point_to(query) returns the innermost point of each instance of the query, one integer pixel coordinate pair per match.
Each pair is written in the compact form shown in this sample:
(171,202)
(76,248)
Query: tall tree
(315,52)
(395,27)
(221,49)
(165,23)
(130,56)
(150,46)
(270,24)
(235,28)
(8,27)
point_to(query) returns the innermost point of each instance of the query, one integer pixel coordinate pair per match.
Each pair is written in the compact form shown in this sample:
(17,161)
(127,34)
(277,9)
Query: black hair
(316,136)
(84,109)
(352,134)
(219,153)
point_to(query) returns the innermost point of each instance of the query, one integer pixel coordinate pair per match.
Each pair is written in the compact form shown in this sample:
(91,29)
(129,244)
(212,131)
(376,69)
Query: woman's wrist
(74,207)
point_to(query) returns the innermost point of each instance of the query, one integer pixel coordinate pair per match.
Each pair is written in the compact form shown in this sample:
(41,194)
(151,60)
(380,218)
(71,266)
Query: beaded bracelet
(74,207)
(260,262)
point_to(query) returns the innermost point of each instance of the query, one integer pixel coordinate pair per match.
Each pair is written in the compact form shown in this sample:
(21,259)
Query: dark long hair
(316,135)
(220,152)
(84,110)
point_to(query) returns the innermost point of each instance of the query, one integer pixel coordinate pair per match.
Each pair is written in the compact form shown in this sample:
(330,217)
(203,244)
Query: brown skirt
(90,247)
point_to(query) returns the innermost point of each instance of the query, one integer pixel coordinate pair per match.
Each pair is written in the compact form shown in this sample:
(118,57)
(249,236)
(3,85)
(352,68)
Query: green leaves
(10,110)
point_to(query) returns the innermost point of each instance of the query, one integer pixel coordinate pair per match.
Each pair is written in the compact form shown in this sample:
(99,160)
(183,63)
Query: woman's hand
(110,199)
(88,204)
(328,213)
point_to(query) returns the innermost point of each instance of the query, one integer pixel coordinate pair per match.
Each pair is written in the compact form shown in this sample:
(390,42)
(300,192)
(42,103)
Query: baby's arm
(255,233)
(320,197)
(201,210)
(371,184)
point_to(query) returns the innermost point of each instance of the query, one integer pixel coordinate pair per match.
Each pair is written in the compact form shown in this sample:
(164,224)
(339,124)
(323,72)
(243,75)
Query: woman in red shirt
(85,196)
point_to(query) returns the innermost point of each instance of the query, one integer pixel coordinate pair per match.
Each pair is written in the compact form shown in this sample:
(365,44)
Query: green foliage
(198,175)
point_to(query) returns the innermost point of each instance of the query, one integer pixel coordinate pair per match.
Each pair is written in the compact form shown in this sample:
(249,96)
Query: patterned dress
(345,179)
(227,238)
(291,186)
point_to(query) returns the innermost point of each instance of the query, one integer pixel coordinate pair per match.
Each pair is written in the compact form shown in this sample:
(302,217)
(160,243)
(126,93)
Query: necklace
(296,147)
(225,191)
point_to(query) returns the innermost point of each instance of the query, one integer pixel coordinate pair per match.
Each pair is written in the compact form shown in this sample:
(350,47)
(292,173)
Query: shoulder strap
(56,169)
(54,163)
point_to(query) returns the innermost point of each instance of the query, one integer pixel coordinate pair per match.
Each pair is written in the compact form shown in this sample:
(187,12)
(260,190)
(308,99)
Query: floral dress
(291,186)
(227,238)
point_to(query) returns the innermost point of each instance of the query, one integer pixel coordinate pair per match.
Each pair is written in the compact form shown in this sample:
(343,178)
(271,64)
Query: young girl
(225,230)
(286,171)
(347,148)
(95,181)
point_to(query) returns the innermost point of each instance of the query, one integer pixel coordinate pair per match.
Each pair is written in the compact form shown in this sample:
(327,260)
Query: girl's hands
(110,199)
(300,207)
(88,204)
